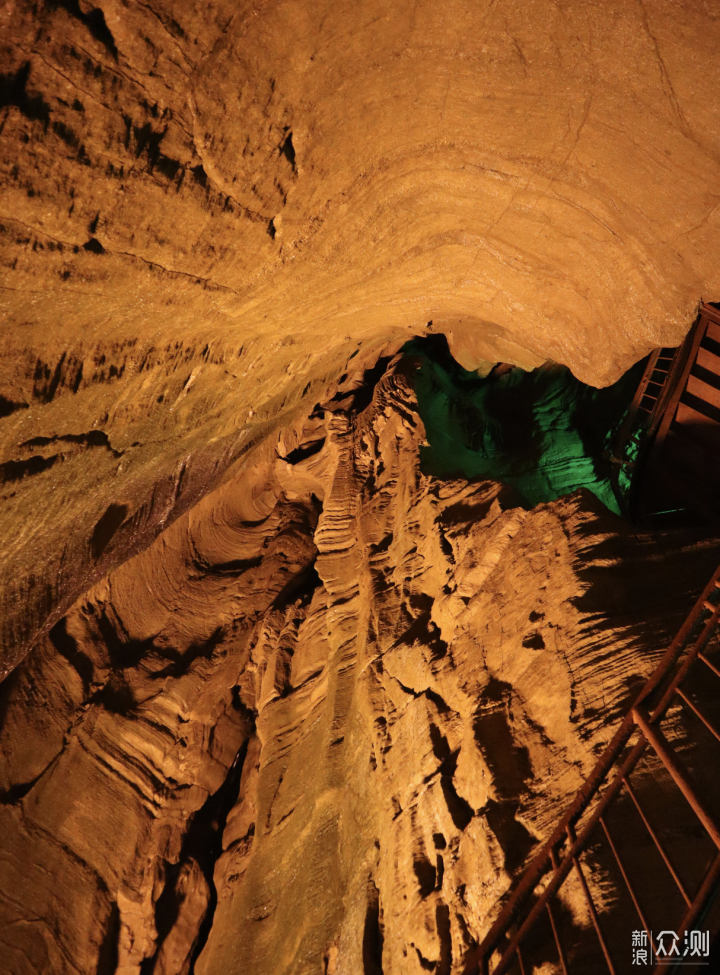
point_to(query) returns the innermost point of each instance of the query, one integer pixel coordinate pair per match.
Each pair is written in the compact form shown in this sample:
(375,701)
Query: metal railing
(651,413)
(638,427)
(585,822)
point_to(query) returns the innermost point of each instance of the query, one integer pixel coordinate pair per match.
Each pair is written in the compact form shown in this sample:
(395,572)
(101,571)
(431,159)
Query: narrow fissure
(202,846)
(203,840)
(373,939)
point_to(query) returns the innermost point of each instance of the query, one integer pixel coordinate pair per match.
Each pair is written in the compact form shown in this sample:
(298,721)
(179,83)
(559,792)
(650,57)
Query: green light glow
(543,432)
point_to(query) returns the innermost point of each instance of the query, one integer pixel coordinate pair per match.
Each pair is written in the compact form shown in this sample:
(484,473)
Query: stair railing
(639,731)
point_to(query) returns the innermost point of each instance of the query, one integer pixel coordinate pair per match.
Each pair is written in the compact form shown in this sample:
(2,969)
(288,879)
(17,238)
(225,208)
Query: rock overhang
(538,182)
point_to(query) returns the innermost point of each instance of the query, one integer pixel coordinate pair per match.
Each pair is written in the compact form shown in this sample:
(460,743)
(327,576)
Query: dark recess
(65,133)
(93,246)
(358,399)
(287,149)
(534,641)
(516,841)
(508,761)
(424,631)
(95,438)
(107,526)
(116,696)
(109,956)
(426,875)
(147,140)
(123,652)
(66,646)
(7,407)
(372,946)
(199,175)
(304,451)
(183,663)
(16,470)
(300,589)
(203,840)
(461,812)
(94,20)
(42,374)
(13,91)
(442,920)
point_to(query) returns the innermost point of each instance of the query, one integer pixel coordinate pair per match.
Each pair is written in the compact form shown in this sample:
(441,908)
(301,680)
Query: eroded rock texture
(208,207)
(323,720)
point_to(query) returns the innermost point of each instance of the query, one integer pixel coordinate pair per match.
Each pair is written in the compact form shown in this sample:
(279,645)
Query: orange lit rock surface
(323,720)
(207,208)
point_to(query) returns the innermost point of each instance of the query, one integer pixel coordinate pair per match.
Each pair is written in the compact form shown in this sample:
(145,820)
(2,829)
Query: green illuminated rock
(544,432)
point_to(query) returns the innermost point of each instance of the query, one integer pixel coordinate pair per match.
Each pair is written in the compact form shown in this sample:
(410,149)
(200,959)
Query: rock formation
(275,700)
(207,209)
(323,720)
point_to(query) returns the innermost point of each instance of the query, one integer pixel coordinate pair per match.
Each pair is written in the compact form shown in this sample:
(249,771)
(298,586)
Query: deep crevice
(116,695)
(509,762)
(461,812)
(373,939)
(106,528)
(203,840)
(108,957)
(16,470)
(287,149)
(442,921)
(15,793)
(122,653)
(358,399)
(95,438)
(425,963)
(206,649)
(300,588)
(440,870)
(425,632)
(304,451)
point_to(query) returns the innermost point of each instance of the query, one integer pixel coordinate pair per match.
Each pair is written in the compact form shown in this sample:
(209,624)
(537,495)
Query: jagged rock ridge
(322,721)
(208,207)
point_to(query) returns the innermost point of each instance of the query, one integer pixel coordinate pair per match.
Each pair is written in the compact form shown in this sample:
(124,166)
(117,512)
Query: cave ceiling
(256,655)
(208,208)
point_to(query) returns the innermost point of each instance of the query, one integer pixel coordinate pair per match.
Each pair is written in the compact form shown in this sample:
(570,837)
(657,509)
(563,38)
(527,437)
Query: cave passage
(544,432)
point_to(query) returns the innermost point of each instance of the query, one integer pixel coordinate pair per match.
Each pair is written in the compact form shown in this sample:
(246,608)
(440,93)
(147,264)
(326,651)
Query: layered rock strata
(324,719)
(207,207)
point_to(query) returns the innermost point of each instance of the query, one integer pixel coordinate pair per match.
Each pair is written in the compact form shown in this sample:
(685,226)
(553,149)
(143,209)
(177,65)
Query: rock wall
(324,719)
(208,208)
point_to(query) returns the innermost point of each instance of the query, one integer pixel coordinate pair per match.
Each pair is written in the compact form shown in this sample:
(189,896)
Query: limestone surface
(207,208)
(321,723)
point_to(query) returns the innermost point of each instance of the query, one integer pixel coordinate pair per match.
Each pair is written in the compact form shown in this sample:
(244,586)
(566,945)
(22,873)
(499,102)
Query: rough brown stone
(208,207)
(324,719)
